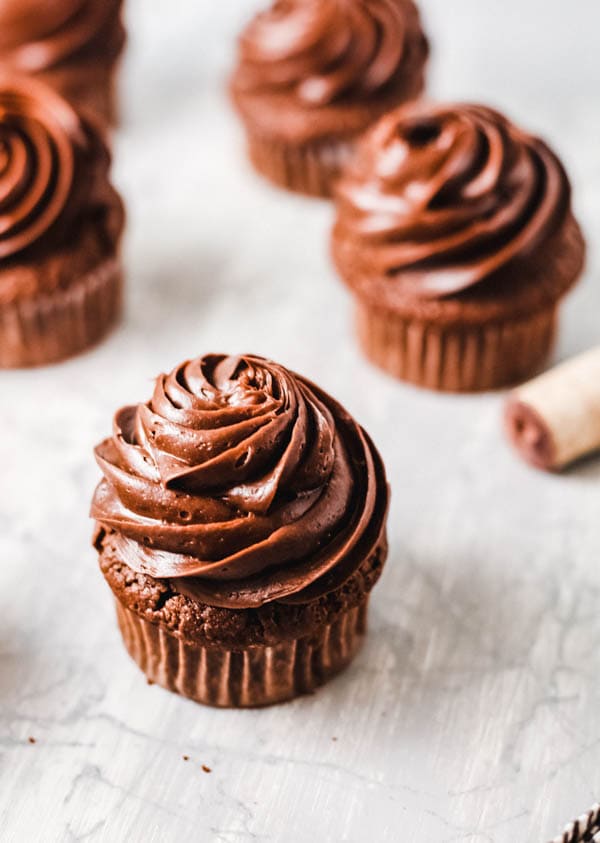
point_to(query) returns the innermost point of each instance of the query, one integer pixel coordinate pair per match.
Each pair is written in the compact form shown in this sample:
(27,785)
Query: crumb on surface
(334,739)
(186,757)
(31,740)
(206,769)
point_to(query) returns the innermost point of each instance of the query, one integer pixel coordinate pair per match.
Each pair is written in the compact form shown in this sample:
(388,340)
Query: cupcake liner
(311,168)
(53,326)
(457,358)
(256,676)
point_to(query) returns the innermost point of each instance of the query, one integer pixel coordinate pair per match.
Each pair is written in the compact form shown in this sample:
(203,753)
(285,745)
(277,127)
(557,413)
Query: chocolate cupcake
(73,45)
(241,528)
(313,75)
(455,233)
(60,227)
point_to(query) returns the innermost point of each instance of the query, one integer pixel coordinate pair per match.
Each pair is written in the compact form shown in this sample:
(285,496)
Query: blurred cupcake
(60,227)
(241,527)
(455,233)
(312,75)
(73,45)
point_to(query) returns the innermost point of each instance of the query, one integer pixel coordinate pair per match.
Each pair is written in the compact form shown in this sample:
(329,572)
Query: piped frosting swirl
(242,482)
(53,169)
(441,198)
(326,51)
(37,36)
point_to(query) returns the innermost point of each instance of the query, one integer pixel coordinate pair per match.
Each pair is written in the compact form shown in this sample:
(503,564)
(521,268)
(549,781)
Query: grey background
(473,711)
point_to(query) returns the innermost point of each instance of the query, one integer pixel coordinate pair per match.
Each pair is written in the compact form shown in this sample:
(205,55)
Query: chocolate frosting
(327,51)
(35,36)
(242,482)
(53,171)
(441,198)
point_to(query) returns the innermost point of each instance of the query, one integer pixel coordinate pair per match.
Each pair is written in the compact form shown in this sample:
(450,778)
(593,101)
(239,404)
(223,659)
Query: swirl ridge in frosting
(441,198)
(36,36)
(37,164)
(325,51)
(242,482)
(53,169)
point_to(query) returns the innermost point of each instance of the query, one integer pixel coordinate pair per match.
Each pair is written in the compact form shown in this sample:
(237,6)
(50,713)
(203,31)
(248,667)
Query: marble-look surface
(473,711)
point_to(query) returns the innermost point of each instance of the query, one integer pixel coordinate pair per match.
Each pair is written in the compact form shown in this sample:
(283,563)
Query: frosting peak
(442,197)
(323,51)
(242,480)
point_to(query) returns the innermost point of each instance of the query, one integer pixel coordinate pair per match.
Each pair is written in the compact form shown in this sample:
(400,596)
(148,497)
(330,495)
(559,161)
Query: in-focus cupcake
(312,75)
(241,528)
(455,233)
(73,45)
(60,228)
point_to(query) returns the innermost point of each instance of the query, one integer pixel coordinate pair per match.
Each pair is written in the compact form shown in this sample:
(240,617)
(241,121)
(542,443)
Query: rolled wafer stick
(555,419)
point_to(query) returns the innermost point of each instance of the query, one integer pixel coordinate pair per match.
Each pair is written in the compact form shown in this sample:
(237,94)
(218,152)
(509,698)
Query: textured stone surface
(473,711)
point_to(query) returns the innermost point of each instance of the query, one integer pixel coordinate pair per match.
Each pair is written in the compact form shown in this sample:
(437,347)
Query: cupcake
(455,233)
(60,227)
(312,75)
(241,527)
(73,45)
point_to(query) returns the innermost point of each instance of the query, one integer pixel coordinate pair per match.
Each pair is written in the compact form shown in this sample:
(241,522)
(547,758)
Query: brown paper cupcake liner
(465,358)
(53,326)
(585,829)
(256,676)
(310,169)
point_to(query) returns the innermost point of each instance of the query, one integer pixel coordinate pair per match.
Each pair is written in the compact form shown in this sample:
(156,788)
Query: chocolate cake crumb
(31,740)
(206,769)
(199,623)
(186,757)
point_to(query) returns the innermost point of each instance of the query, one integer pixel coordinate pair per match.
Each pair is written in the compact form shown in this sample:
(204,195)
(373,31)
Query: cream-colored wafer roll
(555,419)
